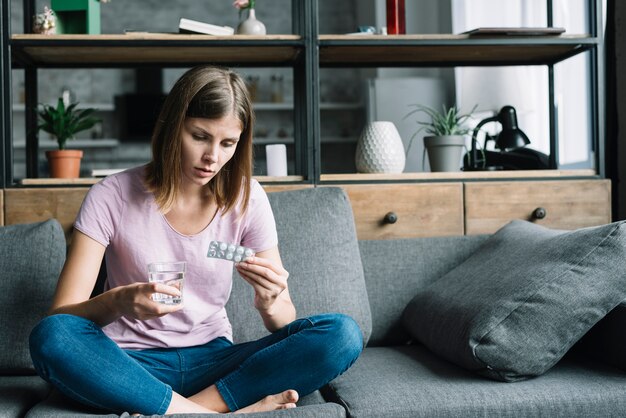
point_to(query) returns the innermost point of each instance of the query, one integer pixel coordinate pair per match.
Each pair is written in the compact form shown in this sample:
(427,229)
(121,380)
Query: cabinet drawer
(422,210)
(35,205)
(564,204)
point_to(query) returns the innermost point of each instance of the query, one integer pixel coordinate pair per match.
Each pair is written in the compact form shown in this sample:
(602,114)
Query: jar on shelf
(277,88)
(396,19)
(252,82)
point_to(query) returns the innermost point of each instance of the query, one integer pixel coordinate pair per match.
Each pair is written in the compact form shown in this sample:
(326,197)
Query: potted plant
(64,122)
(446,141)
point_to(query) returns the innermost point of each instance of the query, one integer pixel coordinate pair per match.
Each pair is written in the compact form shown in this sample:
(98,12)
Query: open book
(193,26)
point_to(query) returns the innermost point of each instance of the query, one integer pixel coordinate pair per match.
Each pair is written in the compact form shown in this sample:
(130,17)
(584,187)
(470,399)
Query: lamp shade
(511,137)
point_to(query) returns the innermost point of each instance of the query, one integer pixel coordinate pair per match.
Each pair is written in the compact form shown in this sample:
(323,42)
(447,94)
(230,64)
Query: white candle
(276,155)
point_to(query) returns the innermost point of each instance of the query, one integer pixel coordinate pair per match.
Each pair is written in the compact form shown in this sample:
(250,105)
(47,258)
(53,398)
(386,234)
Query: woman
(129,353)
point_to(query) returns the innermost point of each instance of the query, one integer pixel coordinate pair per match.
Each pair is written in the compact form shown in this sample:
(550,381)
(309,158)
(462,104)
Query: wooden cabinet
(392,211)
(562,204)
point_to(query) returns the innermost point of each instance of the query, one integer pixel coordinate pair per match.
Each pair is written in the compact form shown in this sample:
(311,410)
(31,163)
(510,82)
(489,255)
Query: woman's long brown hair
(211,93)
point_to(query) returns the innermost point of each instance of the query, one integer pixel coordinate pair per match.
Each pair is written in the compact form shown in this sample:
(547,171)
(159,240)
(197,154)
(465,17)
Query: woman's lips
(203,172)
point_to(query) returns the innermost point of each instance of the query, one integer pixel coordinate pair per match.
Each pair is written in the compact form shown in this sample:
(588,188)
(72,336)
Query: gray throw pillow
(31,258)
(517,304)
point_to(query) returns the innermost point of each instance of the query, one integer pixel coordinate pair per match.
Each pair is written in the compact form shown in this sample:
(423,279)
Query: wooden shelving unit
(306,52)
(427,204)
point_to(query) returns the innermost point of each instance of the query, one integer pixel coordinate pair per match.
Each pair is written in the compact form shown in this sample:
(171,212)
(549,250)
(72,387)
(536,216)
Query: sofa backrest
(396,269)
(318,246)
(31,258)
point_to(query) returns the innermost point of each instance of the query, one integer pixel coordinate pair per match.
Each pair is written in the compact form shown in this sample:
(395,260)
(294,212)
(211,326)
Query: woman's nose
(210,153)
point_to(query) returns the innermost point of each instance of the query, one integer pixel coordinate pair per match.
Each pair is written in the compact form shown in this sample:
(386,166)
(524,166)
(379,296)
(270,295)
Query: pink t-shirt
(122,215)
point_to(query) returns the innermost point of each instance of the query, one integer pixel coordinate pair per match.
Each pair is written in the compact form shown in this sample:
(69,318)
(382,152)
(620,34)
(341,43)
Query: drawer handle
(539,213)
(390,218)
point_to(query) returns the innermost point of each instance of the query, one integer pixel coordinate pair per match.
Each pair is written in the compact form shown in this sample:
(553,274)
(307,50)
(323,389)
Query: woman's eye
(228,144)
(198,137)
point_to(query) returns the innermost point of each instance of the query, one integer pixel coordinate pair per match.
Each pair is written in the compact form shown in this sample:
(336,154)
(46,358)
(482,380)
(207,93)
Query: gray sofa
(373,281)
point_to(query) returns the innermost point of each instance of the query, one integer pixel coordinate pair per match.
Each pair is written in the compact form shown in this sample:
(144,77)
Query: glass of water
(171,274)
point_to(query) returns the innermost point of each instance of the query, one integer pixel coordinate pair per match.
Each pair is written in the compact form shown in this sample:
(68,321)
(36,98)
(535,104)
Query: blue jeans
(304,355)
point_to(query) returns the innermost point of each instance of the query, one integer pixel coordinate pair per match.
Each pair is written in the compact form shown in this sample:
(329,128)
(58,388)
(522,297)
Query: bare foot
(283,400)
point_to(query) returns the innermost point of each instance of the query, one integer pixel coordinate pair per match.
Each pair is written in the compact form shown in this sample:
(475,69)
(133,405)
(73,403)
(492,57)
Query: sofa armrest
(606,341)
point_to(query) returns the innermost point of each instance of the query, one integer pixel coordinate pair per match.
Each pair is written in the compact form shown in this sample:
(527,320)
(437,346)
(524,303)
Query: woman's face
(207,145)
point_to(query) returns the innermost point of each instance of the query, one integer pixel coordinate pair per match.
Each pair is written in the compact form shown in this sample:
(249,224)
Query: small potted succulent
(63,123)
(446,140)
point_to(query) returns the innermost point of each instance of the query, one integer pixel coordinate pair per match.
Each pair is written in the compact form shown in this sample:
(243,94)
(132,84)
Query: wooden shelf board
(112,50)
(460,175)
(94,180)
(153,48)
(363,177)
(447,50)
(59,182)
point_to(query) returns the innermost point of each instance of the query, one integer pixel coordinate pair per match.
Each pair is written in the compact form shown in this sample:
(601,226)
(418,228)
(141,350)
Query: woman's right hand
(135,300)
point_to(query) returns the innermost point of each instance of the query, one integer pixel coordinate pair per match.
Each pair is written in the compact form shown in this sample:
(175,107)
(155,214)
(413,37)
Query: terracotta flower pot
(65,163)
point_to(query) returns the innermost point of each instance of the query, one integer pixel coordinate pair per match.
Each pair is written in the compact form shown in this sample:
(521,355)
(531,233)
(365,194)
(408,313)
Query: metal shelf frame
(310,52)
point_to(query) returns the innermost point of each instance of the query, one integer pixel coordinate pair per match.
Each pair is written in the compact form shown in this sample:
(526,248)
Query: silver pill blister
(229,252)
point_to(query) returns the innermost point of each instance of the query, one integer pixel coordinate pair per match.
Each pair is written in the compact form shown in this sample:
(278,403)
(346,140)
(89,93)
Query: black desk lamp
(509,141)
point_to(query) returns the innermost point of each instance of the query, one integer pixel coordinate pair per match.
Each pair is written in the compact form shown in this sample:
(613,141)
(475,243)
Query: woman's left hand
(268,278)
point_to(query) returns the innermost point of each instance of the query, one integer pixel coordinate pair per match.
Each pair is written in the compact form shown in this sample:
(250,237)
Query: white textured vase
(380,149)
(251,26)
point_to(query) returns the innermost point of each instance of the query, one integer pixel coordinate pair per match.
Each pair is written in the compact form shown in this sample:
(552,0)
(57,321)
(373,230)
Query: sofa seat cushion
(18,394)
(523,299)
(31,259)
(319,248)
(58,405)
(410,381)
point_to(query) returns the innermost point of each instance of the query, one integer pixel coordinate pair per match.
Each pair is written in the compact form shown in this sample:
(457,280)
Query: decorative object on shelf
(67,95)
(45,23)
(510,142)
(446,141)
(64,122)
(276,157)
(250,26)
(396,20)
(78,16)
(277,88)
(379,149)
(252,82)
(194,26)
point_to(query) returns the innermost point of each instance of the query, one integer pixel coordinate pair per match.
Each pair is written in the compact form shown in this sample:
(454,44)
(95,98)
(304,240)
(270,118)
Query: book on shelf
(193,26)
(103,172)
(515,31)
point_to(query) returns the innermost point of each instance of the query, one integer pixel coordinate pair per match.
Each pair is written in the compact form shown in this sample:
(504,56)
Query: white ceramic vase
(251,26)
(380,149)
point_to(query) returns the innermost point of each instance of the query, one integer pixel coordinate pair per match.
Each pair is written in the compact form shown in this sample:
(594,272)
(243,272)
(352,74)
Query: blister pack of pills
(230,252)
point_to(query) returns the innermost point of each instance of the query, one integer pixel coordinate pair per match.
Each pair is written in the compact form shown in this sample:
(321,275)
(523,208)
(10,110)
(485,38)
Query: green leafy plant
(448,121)
(65,122)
